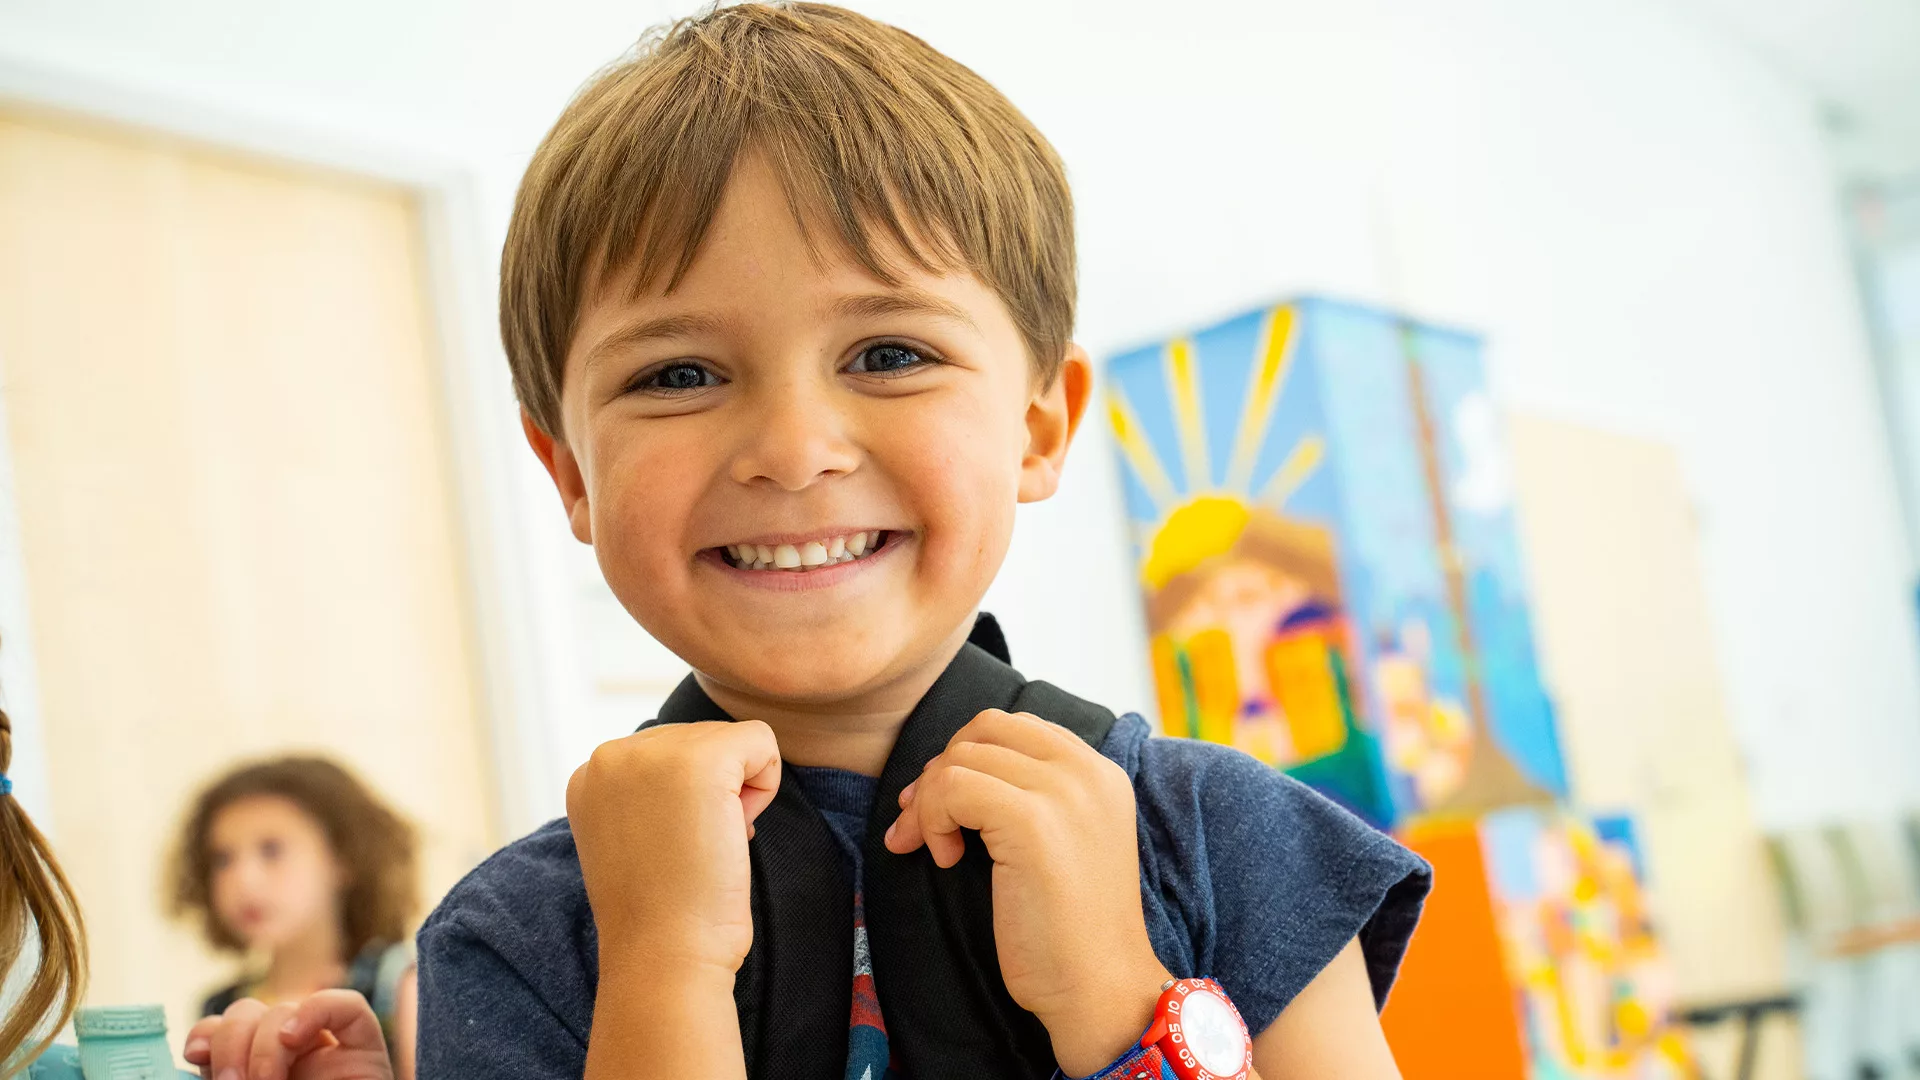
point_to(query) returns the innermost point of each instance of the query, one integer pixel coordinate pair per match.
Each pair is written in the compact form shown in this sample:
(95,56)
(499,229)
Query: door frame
(482,421)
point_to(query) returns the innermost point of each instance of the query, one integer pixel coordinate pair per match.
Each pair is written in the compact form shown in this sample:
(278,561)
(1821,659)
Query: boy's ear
(1052,418)
(557,456)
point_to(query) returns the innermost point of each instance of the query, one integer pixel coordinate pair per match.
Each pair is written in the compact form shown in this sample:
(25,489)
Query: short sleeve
(507,969)
(1267,878)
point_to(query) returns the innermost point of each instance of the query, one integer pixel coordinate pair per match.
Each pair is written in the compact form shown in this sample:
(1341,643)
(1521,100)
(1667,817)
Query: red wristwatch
(1198,1033)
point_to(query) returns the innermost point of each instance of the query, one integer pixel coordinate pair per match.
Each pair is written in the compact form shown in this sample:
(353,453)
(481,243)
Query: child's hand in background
(661,819)
(332,1035)
(1058,819)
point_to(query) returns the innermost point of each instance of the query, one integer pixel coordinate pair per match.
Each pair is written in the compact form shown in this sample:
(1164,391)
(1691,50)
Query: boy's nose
(794,439)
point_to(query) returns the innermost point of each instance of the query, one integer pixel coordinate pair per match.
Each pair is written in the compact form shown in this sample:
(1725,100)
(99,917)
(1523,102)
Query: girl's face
(275,878)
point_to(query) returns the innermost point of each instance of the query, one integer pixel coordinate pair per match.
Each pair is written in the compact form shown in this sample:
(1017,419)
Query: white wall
(1636,211)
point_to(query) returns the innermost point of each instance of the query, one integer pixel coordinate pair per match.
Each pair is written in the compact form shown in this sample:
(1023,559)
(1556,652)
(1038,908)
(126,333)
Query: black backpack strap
(935,968)
(987,634)
(1082,717)
(1043,699)
(795,982)
(948,1012)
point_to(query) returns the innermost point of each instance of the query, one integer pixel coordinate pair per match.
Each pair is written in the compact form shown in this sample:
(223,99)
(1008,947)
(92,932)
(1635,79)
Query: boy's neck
(855,733)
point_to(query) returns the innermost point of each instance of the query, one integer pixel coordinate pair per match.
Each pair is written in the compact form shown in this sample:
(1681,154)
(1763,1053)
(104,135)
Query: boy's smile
(807,557)
(797,476)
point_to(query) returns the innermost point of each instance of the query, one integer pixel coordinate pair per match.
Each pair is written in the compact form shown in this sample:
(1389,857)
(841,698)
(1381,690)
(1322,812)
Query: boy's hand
(332,1035)
(661,819)
(1058,820)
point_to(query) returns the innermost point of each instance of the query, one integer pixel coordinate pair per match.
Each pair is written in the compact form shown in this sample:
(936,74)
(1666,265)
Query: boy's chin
(802,679)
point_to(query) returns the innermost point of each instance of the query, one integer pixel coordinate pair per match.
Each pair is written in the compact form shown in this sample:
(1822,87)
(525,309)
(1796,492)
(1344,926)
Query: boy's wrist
(660,943)
(1092,1032)
(648,1000)
(647,971)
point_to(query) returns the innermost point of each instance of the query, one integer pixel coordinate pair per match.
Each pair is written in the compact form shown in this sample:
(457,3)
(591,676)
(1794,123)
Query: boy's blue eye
(678,378)
(888,358)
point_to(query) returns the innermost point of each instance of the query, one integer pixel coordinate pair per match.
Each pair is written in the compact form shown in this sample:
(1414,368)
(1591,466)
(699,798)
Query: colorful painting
(1470,477)
(1537,959)
(1331,578)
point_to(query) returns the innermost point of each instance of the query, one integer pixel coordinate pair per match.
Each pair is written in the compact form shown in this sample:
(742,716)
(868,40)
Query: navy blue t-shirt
(1246,875)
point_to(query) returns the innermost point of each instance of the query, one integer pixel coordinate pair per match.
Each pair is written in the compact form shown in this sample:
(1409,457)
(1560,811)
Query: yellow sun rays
(1139,452)
(1301,461)
(1183,387)
(1266,381)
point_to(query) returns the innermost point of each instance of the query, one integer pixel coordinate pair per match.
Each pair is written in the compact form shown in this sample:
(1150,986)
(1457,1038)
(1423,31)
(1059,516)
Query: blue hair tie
(6,785)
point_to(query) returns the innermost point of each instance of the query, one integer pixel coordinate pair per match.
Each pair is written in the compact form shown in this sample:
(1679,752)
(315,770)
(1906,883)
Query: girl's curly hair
(376,848)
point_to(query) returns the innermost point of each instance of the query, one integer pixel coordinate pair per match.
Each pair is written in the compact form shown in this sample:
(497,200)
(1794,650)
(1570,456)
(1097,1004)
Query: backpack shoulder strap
(1043,699)
(1082,717)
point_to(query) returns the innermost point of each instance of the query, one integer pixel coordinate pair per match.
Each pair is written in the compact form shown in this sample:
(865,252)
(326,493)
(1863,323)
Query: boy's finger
(198,1049)
(903,836)
(759,765)
(906,833)
(1024,732)
(966,799)
(268,1059)
(231,1042)
(342,1014)
(951,799)
(923,821)
(1020,769)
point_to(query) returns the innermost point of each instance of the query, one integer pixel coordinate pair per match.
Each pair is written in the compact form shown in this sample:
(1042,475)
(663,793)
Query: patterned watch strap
(1135,1064)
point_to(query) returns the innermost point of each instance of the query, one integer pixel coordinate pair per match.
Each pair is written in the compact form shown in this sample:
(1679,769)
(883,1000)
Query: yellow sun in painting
(1197,531)
(1200,517)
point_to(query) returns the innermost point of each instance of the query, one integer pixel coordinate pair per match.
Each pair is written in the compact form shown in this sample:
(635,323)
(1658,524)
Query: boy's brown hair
(872,132)
(374,844)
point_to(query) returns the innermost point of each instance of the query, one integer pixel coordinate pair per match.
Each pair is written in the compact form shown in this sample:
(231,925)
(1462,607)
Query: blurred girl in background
(295,863)
(39,920)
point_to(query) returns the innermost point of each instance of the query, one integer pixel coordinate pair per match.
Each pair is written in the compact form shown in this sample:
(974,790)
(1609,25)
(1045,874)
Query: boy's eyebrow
(664,326)
(907,301)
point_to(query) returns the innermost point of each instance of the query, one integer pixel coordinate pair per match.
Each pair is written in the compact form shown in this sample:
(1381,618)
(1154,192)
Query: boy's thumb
(342,1014)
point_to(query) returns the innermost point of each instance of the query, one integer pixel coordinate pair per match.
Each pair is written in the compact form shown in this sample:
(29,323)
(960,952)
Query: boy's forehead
(766,234)
(762,270)
(762,228)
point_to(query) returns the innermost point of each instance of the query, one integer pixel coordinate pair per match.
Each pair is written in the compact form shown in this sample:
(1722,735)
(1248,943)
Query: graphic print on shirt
(867,1056)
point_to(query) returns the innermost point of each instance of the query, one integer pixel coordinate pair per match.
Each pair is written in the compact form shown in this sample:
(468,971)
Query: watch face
(1213,1033)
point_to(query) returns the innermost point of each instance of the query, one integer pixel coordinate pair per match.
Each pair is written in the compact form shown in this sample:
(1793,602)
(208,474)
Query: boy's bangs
(857,218)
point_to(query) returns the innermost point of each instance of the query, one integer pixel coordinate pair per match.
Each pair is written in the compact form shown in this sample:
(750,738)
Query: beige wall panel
(236,506)
(1622,624)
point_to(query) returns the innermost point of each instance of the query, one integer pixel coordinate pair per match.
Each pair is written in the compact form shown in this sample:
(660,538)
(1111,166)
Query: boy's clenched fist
(1058,819)
(661,819)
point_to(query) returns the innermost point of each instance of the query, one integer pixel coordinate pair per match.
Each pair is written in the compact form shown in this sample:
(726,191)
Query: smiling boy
(788,298)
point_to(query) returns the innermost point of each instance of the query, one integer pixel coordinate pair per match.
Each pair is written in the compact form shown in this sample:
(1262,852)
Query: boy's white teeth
(826,551)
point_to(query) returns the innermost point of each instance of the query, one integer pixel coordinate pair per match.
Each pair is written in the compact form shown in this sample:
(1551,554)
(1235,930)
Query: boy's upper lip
(798,538)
